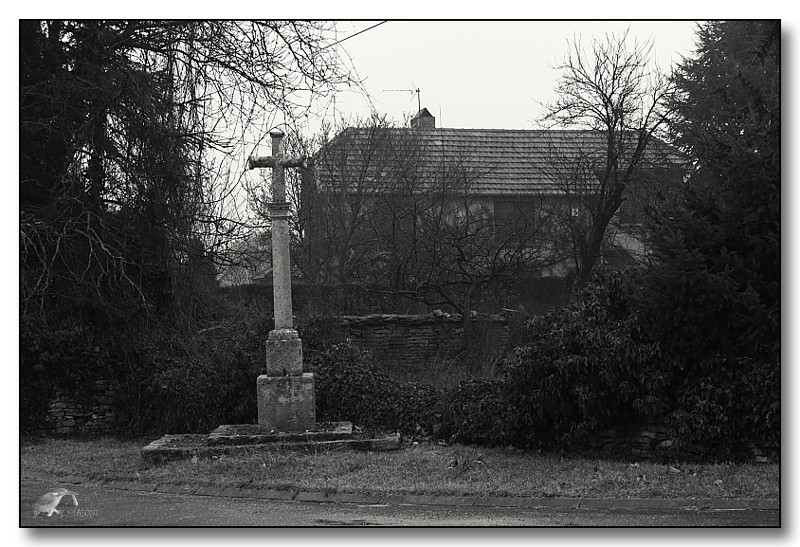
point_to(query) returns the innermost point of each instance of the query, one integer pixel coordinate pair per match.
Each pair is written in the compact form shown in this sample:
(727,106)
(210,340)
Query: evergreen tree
(719,249)
(713,293)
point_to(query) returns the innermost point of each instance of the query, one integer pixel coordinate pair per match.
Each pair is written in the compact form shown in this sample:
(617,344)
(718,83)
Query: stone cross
(285,393)
(279,212)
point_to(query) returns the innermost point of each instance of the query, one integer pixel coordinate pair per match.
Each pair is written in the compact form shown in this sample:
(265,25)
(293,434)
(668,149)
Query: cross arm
(254,162)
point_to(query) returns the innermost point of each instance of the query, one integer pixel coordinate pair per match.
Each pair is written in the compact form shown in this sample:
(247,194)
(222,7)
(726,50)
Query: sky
(474,74)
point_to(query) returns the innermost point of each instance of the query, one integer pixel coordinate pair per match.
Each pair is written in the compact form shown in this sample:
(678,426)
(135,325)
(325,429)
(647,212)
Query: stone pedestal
(285,394)
(284,353)
(286,403)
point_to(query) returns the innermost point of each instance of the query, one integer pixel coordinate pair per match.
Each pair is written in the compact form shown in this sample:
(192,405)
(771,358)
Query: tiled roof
(502,162)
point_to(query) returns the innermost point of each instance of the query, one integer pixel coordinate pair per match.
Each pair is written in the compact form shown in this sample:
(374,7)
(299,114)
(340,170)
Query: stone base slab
(243,434)
(179,447)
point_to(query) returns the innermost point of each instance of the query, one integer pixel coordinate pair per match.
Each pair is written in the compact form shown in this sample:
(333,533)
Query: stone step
(245,434)
(178,447)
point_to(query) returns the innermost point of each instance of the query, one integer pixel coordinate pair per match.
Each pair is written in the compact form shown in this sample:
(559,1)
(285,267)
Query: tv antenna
(412,91)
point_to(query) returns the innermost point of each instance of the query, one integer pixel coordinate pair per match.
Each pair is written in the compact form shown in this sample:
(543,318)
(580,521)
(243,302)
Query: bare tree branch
(616,91)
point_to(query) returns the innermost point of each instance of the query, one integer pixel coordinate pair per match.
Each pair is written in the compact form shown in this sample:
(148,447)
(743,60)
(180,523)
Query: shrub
(193,390)
(713,302)
(350,386)
(191,378)
(318,333)
(728,405)
(476,412)
(596,364)
(588,366)
(64,357)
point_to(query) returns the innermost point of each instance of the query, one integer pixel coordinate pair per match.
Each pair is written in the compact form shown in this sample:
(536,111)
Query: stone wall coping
(429,318)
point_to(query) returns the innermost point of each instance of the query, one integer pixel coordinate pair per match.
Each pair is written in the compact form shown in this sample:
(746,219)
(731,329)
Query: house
(542,181)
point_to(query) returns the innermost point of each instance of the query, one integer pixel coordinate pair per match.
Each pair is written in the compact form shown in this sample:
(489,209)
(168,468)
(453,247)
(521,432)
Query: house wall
(632,243)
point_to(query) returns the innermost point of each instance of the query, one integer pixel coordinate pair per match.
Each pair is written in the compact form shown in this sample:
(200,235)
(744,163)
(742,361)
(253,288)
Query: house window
(631,212)
(514,220)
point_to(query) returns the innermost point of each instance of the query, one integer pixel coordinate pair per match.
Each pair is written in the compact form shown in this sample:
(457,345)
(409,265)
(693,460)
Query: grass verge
(424,469)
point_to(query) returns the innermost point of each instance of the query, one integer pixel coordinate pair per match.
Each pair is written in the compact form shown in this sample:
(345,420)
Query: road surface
(99,506)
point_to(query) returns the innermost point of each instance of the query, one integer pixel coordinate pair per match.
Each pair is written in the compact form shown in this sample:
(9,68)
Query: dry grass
(418,469)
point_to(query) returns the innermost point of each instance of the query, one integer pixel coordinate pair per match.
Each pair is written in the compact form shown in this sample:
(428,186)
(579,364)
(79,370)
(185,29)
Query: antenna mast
(412,91)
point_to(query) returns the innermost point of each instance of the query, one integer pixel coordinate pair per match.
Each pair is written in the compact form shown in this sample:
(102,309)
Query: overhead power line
(352,35)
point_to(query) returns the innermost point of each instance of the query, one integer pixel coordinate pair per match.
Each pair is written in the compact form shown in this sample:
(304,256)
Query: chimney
(423,120)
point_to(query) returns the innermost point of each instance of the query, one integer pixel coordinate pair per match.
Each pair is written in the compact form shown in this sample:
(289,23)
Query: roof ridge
(495,129)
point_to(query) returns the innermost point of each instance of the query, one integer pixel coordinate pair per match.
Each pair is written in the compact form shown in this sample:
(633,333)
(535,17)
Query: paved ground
(118,503)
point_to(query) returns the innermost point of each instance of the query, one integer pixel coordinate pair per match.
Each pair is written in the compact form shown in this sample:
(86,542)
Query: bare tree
(127,137)
(615,90)
(453,246)
(391,216)
(337,204)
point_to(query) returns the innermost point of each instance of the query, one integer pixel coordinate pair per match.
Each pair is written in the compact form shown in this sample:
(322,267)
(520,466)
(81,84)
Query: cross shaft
(279,212)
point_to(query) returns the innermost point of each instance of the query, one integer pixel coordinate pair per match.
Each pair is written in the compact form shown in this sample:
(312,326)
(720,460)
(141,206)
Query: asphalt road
(101,506)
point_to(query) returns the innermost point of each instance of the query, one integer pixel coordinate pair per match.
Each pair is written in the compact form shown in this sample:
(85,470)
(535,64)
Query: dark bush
(350,386)
(318,333)
(477,412)
(728,405)
(63,358)
(595,364)
(588,366)
(169,375)
(193,389)
(182,379)
(713,302)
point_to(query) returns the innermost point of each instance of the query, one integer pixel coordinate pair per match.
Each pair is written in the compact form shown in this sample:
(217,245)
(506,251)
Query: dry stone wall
(423,340)
(69,416)
(653,442)
(650,441)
